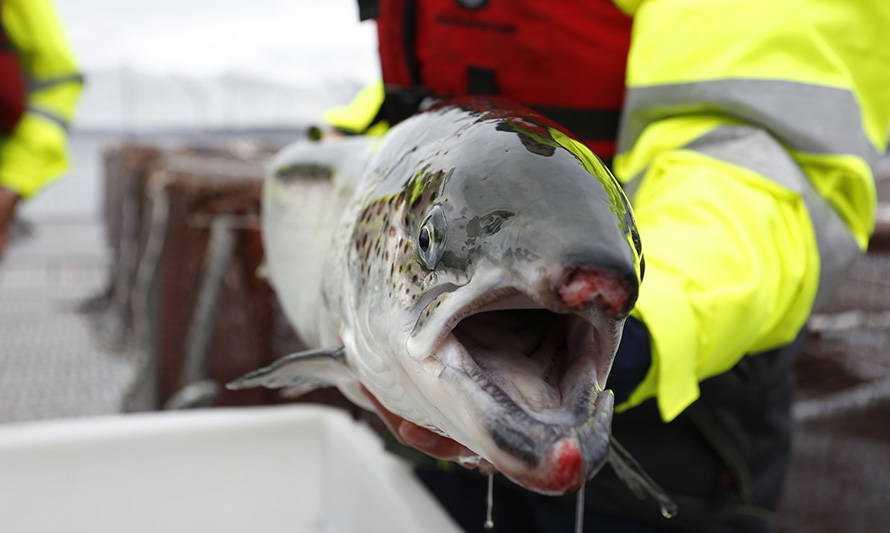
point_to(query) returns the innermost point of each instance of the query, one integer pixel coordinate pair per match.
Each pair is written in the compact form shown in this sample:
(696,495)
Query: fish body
(472,269)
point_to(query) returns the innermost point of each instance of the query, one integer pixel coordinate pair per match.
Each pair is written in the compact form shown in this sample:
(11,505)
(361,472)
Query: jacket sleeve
(36,151)
(362,114)
(747,144)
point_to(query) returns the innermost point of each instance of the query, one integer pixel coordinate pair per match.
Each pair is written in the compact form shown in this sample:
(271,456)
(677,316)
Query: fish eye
(431,238)
(424,239)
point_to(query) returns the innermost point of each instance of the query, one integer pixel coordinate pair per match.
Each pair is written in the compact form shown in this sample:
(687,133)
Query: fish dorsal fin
(637,480)
(300,372)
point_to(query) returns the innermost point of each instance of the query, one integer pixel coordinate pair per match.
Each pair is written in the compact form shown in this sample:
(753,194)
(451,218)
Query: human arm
(36,152)
(430,443)
(747,137)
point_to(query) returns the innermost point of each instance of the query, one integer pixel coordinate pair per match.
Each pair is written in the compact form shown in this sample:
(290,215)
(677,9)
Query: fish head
(512,259)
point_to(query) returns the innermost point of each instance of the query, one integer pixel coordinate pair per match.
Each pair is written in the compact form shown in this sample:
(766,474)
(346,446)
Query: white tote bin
(272,469)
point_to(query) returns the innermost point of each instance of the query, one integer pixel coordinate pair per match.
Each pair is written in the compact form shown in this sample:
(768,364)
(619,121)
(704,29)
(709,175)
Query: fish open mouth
(530,366)
(537,357)
(542,371)
(545,362)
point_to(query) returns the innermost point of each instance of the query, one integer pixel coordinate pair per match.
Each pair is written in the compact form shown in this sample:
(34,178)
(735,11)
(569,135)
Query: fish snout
(572,458)
(586,286)
(561,471)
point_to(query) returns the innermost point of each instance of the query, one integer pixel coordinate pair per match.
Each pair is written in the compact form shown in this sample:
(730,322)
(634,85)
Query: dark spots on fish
(453,261)
(521,254)
(303,171)
(635,236)
(488,224)
(533,137)
(414,278)
(473,228)
(491,223)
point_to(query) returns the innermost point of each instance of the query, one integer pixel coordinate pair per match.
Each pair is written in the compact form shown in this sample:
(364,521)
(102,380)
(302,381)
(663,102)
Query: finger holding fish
(428,442)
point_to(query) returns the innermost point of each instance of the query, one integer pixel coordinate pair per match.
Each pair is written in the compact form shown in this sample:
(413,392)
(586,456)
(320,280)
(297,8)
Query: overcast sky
(300,41)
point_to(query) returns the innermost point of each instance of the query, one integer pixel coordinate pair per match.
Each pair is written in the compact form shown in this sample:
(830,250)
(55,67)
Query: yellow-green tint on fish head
(619,203)
(418,184)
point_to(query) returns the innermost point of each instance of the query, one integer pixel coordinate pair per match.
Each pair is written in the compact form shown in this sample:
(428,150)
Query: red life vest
(564,59)
(13,95)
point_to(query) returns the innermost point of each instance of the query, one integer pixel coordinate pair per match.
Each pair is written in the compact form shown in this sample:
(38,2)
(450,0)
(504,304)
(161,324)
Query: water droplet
(579,511)
(469,461)
(667,513)
(489,503)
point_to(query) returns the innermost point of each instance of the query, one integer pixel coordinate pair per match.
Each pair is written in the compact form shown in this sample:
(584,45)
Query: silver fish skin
(476,266)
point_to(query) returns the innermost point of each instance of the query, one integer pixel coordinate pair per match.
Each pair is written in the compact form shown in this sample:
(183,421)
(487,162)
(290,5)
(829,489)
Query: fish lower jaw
(562,469)
(529,382)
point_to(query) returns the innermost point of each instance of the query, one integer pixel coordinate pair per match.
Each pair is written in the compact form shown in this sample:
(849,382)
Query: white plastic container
(252,470)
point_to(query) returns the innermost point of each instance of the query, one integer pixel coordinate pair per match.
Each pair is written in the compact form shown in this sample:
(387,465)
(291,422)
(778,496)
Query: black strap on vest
(409,40)
(367,10)
(600,124)
(5,42)
(481,80)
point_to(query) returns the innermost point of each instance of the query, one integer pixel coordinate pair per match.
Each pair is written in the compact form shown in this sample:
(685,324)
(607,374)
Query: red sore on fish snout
(585,286)
(561,472)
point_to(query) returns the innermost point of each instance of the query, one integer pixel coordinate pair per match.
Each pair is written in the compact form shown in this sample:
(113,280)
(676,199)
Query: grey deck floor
(50,366)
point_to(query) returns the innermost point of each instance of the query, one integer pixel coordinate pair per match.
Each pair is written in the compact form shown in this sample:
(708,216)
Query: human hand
(8,202)
(428,442)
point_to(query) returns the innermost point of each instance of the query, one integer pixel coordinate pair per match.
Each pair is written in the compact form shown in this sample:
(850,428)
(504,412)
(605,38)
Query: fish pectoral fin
(637,480)
(300,372)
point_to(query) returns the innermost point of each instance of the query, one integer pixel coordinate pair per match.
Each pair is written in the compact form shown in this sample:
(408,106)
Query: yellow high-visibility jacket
(36,152)
(749,133)
(748,139)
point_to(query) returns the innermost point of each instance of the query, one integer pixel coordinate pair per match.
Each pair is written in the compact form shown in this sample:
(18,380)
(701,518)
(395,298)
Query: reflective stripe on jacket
(36,151)
(747,142)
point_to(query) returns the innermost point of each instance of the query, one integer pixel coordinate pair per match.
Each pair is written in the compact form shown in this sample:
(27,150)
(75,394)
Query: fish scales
(472,269)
